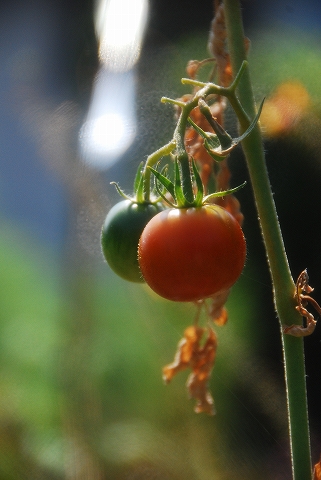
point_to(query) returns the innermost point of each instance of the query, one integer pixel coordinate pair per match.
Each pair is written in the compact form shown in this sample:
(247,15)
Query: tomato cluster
(184,254)
(187,254)
(195,249)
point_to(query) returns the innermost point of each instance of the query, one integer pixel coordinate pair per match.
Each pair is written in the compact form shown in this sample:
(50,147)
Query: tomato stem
(283,284)
(224,139)
(173,102)
(181,154)
(150,162)
(179,133)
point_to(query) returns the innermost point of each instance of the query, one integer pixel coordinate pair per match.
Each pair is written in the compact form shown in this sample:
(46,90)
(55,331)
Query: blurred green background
(81,351)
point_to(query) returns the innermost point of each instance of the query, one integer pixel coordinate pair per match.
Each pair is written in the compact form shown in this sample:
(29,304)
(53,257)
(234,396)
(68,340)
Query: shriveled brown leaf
(301,289)
(202,364)
(192,68)
(218,47)
(317,471)
(200,359)
(185,351)
(217,311)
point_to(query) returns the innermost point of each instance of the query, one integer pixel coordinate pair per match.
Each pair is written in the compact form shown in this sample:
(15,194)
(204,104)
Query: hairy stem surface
(283,284)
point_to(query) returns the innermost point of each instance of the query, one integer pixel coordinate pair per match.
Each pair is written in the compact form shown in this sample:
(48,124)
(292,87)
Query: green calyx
(165,186)
(142,184)
(138,196)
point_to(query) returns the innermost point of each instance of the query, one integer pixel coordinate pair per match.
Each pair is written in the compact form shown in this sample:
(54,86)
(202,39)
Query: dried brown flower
(217,311)
(317,471)
(200,359)
(301,289)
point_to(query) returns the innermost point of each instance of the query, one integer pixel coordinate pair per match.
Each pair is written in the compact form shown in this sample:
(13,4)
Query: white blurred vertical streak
(120,26)
(110,126)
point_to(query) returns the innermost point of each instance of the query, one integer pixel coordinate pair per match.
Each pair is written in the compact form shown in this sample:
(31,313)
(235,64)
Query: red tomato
(189,254)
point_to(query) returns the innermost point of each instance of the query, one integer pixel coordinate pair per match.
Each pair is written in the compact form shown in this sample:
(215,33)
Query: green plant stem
(179,133)
(182,156)
(283,284)
(151,161)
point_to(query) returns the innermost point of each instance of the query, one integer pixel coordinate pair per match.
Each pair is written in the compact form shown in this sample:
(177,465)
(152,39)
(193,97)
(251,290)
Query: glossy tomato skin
(190,254)
(120,235)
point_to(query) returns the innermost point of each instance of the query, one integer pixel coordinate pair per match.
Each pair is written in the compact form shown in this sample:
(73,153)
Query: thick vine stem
(283,284)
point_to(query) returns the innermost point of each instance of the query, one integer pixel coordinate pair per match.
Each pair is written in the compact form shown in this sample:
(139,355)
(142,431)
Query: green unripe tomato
(120,236)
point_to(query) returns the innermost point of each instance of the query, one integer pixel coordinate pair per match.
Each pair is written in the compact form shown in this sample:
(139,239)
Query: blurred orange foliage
(284,108)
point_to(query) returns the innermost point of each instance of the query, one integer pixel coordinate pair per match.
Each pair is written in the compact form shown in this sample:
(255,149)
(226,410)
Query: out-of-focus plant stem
(283,284)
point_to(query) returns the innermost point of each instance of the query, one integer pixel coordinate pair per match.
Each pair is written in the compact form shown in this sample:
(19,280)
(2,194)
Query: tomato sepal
(176,191)
(208,198)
